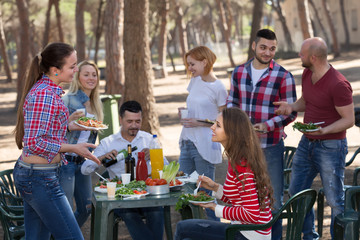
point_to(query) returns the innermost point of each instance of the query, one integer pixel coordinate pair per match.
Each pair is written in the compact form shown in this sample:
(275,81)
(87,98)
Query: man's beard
(132,132)
(261,61)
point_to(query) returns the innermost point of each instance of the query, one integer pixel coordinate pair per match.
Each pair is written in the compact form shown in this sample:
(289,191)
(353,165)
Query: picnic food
(136,185)
(184,199)
(175,183)
(155,182)
(102,184)
(180,174)
(170,171)
(303,127)
(90,122)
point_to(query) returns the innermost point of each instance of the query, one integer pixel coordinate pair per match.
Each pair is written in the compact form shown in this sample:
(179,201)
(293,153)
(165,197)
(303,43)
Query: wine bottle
(107,162)
(130,163)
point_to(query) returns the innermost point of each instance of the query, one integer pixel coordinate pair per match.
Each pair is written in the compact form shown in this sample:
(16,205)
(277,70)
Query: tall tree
(80,29)
(162,46)
(345,25)
(99,29)
(180,25)
(304,18)
(256,23)
(113,27)
(4,55)
(322,28)
(24,50)
(58,20)
(335,44)
(47,23)
(138,71)
(277,7)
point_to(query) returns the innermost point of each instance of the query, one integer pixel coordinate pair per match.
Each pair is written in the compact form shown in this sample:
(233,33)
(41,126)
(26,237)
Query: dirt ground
(170,93)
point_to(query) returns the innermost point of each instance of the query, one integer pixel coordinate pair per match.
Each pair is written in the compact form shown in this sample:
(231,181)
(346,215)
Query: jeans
(274,156)
(78,186)
(46,209)
(326,157)
(191,160)
(152,229)
(203,229)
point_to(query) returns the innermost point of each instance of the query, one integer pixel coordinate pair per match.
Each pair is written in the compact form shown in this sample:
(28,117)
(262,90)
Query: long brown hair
(243,143)
(53,55)
(95,101)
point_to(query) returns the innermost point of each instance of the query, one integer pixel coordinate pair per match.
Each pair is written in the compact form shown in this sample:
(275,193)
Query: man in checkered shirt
(255,85)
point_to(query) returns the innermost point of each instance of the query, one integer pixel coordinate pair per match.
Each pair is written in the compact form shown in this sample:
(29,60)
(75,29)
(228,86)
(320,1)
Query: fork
(196,189)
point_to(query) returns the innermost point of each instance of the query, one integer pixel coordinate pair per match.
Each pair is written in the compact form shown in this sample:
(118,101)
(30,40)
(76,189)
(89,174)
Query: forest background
(135,42)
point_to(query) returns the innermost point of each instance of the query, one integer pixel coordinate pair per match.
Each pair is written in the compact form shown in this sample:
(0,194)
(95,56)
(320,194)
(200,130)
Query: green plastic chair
(11,216)
(320,199)
(7,180)
(356,176)
(346,225)
(294,210)
(288,158)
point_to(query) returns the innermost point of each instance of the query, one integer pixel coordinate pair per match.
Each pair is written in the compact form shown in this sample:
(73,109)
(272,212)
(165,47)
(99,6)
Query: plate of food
(90,123)
(200,197)
(127,192)
(306,127)
(206,121)
(209,201)
(102,189)
(259,131)
(181,174)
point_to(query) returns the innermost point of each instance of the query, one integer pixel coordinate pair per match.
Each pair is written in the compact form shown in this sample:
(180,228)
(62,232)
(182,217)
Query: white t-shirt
(203,102)
(256,74)
(117,142)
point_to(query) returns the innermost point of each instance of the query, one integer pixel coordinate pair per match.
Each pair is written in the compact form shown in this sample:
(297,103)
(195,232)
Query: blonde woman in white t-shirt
(207,97)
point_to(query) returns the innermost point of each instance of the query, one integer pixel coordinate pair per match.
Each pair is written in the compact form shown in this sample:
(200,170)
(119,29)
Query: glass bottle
(107,162)
(141,167)
(130,163)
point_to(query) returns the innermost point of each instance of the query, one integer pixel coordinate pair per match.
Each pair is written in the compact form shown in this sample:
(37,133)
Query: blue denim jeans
(46,209)
(151,229)
(326,157)
(203,229)
(191,160)
(77,186)
(274,156)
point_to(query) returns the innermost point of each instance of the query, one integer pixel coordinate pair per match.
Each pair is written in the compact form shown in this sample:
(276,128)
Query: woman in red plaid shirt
(42,122)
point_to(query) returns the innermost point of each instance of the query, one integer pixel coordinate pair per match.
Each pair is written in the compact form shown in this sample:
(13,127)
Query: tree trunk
(99,29)
(226,30)
(256,24)
(113,23)
(179,22)
(346,27)
(47,24)
(24,50)
(58,20)
(163,12)
(3,49)
(322,28)
(138,71)
(304,18)
(277,7)
(80,29)
(335,44)
(212,23)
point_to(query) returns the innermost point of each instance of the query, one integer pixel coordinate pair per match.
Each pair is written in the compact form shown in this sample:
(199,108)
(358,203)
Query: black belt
(314,140)
(75,159)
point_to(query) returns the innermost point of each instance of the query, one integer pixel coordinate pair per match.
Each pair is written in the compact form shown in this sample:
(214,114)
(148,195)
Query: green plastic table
(102,215)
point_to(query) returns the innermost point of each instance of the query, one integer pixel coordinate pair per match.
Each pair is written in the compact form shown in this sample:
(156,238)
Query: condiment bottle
(141,167)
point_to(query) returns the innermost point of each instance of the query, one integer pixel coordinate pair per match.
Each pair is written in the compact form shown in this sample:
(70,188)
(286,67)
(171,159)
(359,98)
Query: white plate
(182,184)
(191,201)
(102,190)
(132,195)
(184,176)
(312,130)
(189,180)
(91,128)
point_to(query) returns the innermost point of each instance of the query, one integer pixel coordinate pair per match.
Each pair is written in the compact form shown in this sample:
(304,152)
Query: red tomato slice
(137,192)
(103,186)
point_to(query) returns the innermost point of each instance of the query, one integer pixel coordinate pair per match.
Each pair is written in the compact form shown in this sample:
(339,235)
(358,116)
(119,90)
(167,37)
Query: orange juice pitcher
(156,158)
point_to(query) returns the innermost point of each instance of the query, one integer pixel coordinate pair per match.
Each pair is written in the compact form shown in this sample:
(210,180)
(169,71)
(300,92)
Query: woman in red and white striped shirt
(247,186)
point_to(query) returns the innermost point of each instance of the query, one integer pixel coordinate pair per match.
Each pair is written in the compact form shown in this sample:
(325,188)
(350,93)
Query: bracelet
(67,129)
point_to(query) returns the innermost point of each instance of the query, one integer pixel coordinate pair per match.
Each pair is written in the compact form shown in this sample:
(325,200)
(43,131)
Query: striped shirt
(45,120)
(243,198)
(276,84)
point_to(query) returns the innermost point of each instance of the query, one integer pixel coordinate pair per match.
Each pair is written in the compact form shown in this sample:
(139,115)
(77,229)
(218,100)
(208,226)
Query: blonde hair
(201,53)
(95,101)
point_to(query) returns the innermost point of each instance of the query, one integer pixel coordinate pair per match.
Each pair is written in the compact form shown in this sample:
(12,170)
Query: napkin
(193,177)
(88,167)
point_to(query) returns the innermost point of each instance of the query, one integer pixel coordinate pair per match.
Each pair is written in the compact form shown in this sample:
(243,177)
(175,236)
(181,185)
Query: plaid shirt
(276,84)
(45,120)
